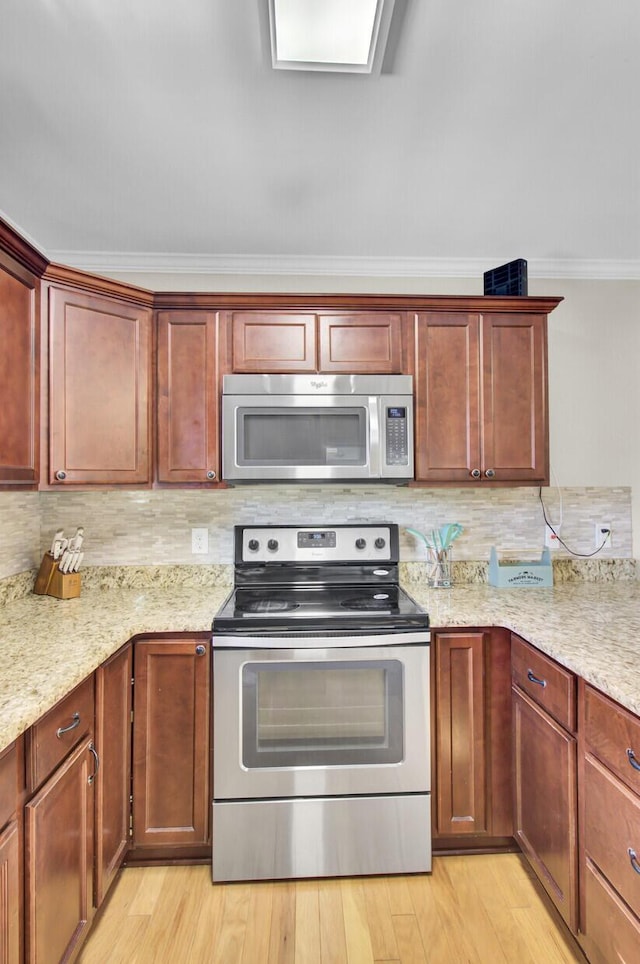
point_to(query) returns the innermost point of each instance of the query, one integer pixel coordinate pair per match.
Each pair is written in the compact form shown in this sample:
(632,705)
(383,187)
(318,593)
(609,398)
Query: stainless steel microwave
(317,427)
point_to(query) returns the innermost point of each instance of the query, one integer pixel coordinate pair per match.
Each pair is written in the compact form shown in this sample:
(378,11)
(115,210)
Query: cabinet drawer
(50,739)
(613,735)
(612,830)
(610,931)
(545,681)
(8,783)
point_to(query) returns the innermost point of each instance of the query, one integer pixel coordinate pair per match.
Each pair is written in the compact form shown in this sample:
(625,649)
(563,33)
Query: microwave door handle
(374,442)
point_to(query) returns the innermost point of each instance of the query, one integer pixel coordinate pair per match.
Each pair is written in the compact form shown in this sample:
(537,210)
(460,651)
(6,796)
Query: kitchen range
(321,708)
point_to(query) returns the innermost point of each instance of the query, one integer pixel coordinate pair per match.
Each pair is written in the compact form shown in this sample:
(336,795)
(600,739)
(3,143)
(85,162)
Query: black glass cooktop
(385,608)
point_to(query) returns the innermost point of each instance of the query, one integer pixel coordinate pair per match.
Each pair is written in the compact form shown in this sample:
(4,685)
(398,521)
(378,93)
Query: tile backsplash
(154,527)
(20,528)
(143,528)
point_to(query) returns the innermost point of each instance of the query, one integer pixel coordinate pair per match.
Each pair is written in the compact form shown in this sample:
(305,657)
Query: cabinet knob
(200,649)
(490,473)
(211,474)
(61,475)
(475,473)
(534,679)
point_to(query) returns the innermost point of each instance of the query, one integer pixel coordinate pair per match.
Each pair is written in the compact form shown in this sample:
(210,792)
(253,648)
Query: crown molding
(363,267)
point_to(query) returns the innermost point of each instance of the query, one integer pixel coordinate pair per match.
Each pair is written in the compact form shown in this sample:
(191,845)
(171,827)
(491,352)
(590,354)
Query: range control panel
(304,544)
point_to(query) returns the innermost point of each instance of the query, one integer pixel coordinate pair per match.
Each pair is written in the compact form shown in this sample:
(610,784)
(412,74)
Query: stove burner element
(379,601)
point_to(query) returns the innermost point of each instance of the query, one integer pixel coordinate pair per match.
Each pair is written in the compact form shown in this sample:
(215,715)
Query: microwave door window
(303,436)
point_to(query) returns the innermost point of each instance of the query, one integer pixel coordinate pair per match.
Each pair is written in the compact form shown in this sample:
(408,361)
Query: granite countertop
(48,646)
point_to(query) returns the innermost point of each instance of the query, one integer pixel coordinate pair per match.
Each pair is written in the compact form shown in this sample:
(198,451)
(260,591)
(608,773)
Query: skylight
(334,35)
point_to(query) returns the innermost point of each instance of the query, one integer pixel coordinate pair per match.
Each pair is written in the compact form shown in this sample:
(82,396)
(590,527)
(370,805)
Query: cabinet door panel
(19,370)
(555,689)
(545,801)
(187,396)
(610,931)
(611,829)
(10,932)
(613,735)
(448,397)
(274,342)
(59,860)
(361,343)
(171,794)
(461,790)
(9,783)
(50,739)
(113,781)
(515,397)
(99,389)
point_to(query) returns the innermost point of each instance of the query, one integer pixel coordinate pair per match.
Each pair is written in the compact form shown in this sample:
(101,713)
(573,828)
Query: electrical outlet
(551,540)
(200,541)
(602,534)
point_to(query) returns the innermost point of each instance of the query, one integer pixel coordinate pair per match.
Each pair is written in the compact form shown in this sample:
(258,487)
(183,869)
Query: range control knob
(379,543)
(253,544)
(361,543)
(272,544)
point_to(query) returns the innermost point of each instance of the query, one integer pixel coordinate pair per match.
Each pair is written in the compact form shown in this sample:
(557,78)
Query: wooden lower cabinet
(113,780)
(545,801)
(11,763)
(609,829)
(171,746)
(11,932)
(471,792)
(59,860)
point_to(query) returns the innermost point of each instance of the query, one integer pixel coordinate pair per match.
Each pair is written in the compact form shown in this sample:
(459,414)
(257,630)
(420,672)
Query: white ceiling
(149,132)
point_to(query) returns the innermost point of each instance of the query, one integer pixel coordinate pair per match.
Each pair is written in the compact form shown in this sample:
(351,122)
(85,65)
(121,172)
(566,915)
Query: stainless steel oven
(321,709)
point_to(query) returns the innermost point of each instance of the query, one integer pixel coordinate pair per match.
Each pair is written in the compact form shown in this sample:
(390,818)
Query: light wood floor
(471,910)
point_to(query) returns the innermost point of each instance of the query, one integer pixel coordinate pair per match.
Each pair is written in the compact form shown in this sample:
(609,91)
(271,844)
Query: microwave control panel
(396,435)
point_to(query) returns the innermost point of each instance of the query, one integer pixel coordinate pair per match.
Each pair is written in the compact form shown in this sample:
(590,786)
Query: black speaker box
(508,279)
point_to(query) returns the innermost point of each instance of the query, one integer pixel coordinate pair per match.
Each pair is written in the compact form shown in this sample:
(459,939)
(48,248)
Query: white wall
(594,394)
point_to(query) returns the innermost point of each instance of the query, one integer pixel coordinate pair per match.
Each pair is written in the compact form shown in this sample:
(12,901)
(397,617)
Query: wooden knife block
(51,582)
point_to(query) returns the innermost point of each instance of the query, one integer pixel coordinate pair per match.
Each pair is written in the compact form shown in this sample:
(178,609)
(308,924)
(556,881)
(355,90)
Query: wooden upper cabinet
(281,341)
(515,429)
(275,341)
(188,449)
(19,373)
(448,396)
(481,397)
(361,342)
(99,389)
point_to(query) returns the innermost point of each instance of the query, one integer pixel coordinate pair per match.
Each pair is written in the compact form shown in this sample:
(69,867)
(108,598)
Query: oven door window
(302,436)
(329,713)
